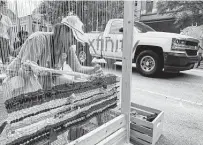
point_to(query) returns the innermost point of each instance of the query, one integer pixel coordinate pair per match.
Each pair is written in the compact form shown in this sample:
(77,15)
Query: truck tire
(148,63)
(83,54)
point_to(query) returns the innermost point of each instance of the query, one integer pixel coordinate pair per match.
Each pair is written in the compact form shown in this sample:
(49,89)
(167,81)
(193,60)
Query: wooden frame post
(127,62)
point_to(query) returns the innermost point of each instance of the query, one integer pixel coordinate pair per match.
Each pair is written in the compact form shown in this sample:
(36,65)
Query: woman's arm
(76,66)
(30,50)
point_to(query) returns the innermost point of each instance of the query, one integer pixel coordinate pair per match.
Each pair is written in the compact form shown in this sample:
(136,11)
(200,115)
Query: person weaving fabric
(46,50)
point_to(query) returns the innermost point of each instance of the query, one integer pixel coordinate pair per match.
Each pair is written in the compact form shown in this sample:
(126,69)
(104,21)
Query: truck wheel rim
(82,56)
(147,63)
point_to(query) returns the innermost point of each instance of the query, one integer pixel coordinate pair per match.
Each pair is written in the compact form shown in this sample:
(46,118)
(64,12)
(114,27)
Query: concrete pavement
(183,123)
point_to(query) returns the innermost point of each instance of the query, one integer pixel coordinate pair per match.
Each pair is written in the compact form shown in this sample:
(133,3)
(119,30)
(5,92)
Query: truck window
(142,28)
(115,26)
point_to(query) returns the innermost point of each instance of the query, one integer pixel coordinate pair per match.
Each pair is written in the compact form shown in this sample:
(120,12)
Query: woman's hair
(21,33)
(61,41)
(2,3)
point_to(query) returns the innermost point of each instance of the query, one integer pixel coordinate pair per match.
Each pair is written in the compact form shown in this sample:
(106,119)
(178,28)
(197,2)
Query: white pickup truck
(156,51)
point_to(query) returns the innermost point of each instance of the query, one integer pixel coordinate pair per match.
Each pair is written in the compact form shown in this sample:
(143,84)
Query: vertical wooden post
(127,62)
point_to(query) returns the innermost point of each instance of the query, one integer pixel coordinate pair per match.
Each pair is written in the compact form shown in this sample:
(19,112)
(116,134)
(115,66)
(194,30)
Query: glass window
(135,3)
(45,29)
(143,5)
(149,6)
(142,28)
(33,27)
(115,26)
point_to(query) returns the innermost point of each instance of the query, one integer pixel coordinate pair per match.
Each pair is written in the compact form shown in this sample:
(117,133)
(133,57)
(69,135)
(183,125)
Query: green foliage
(186,13)
(94,14)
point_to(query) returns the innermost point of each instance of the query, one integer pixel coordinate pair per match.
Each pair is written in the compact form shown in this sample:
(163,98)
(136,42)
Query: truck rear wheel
(148,63)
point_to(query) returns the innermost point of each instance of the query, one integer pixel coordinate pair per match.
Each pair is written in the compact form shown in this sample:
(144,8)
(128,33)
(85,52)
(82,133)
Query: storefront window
(149,6)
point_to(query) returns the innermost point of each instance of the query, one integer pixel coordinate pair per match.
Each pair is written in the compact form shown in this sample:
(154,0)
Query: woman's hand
(63,57)
(61,61)
(26,70)
(97,70)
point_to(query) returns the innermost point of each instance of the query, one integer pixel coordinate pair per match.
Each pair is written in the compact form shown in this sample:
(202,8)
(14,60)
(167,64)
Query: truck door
(113,40)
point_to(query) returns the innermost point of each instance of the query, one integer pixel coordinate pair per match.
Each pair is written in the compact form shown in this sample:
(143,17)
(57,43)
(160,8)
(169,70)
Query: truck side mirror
(121,30)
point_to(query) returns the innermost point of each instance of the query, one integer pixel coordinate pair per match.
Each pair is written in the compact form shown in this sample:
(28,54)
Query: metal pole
(127,62)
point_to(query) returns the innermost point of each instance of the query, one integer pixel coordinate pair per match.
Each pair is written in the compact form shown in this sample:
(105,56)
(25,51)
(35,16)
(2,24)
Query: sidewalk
(200,67)
(183,123)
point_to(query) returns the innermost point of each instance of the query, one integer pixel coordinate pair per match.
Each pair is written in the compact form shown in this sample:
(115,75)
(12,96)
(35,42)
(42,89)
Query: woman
(5,34)
(48,50)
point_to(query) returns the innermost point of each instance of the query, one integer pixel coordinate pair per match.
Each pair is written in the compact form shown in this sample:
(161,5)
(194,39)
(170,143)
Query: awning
(156,18)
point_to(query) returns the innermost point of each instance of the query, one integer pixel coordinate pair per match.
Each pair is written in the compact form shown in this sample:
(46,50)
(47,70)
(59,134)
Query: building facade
(30,24)
(146,12)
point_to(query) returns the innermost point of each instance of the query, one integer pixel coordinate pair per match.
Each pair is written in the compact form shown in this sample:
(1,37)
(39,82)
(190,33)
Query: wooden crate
(143,132)
(111,133)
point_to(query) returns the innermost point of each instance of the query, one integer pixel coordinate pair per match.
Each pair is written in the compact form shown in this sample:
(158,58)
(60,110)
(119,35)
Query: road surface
(181,99)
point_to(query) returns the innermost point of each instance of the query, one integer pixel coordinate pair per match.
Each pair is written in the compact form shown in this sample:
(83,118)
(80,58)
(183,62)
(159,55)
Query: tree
(94,14)
(6,11)
(186,13)
(52,11)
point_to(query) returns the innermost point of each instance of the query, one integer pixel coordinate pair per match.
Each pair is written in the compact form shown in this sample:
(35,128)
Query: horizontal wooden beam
(145,108)
(141,122)
(142,136)
(101,132)
(141,129)
(117,138)
(141,112)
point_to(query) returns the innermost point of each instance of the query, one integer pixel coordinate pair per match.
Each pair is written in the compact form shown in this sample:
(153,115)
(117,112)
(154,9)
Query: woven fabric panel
(38,116)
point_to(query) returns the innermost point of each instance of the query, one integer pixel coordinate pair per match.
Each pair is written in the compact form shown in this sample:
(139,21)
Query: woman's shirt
(36,48)
(5,24)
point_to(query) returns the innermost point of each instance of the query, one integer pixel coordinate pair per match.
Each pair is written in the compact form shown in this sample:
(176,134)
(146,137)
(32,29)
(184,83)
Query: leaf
(94,14)
(185,12)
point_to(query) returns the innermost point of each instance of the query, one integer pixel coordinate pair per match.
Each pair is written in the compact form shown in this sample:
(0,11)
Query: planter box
(143,132)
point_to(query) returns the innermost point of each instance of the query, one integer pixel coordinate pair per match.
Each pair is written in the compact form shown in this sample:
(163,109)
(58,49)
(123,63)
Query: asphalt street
(180,97)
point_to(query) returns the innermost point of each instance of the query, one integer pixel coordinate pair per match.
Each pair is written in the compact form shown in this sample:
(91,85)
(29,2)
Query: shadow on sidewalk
(163,140)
